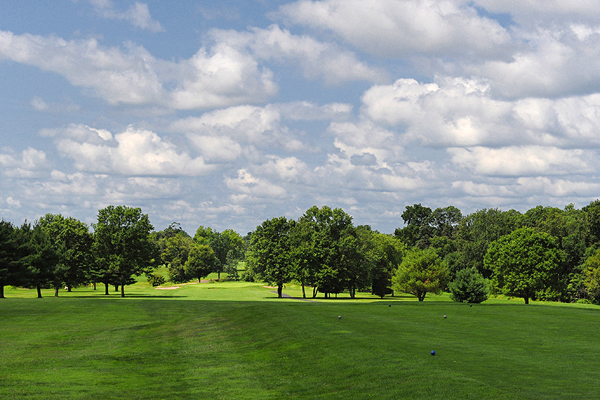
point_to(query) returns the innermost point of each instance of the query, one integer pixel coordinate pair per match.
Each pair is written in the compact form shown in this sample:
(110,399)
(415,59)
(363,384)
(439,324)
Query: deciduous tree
(524,262)
(123,243)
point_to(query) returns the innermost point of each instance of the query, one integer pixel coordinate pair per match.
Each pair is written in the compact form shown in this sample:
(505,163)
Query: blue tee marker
(433,352)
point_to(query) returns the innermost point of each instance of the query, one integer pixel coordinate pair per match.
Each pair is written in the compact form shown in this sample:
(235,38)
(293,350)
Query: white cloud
(133,152)
(245,125)
(110,73)
(532,12)
(524,161)
(220,77)
(288,169)
(248,188)
(29,163)
(555,62)
(459,112)
(317,59)
(138,14)
(396,28)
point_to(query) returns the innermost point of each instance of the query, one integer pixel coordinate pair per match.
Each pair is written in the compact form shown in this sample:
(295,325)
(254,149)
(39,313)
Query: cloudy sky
(228,113)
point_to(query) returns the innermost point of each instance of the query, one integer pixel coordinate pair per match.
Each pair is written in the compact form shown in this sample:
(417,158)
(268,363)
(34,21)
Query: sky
(229,113)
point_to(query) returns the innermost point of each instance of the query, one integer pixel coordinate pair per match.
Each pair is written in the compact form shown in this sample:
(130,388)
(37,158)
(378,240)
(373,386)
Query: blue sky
(228,113)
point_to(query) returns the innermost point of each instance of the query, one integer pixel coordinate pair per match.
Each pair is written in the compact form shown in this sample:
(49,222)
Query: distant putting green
(238,341)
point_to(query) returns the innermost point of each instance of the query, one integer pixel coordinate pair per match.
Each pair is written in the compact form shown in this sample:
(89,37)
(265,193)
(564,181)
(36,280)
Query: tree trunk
(116,288)
(69,288)
(122,290)
(526,299)
(106,289)
(1,291)
(94,285)
(279,291)
(55,291)
(219,276)
(314,292)
(39,291)
(303,292)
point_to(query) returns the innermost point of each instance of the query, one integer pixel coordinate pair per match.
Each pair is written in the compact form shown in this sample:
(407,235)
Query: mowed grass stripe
(239,341)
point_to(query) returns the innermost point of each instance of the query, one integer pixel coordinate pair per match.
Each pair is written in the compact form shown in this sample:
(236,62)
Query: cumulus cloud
(116,76)
(138,14)
(317,59)
(135,152)
(221,76)
(534,12)
(247,125)
(248,188)
(524,161)
(29,163)
(556,62)
(396,28)
(463,112)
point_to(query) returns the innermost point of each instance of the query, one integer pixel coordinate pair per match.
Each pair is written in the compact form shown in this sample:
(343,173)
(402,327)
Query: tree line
(545,253)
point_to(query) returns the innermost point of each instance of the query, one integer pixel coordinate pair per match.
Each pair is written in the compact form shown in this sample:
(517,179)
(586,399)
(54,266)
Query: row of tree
(58,251)
(546,253)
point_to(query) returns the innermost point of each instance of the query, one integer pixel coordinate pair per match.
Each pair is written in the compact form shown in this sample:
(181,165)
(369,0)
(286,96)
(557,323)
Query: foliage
(201,261)
(270,252)
(175,254)
(123,244)
(592,275)
(72,243)
(228,246)
(41,259)
(155,279)
(469,286)
(525,263)
(476,231)
(421,272)
(9,256)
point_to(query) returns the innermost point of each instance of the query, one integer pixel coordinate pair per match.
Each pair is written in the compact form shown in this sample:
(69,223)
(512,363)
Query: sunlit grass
(236,340)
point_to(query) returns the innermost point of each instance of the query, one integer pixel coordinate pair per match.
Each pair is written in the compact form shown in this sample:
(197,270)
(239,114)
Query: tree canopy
(525,263)
(123,243)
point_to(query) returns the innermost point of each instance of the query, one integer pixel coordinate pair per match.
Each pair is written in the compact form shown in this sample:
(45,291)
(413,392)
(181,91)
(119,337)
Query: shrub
(469,286)
(155,279)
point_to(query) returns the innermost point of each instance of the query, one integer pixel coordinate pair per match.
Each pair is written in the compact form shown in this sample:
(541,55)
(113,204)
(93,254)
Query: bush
(469,286)
(155,279)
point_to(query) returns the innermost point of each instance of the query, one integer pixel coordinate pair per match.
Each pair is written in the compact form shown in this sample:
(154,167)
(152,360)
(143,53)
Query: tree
(592,275)
(421,272)
(72,242)
(475,233)
(227,245)
(270,250)
(418,229)
(525,262)
(469,286)
(40,257)
(201,261)
(175,255)
(123,243)
(9,256)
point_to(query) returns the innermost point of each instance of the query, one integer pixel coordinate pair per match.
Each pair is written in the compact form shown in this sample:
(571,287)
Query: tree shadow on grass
(127,296)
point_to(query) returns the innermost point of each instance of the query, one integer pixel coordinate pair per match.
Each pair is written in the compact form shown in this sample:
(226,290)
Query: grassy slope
(236,340)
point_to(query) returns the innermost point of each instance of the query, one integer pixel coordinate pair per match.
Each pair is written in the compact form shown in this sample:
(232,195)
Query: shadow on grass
(127,296)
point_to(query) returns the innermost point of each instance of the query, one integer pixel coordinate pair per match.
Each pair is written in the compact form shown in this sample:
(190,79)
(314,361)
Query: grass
(236,340)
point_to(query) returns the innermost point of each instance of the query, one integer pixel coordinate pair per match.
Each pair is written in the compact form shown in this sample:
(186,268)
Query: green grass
(236,340)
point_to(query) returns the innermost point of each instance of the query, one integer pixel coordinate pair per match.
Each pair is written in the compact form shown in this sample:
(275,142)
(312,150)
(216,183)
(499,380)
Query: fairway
(238,341)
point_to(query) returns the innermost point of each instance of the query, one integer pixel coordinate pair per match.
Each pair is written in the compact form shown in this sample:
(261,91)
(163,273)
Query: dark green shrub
(469,286)
(155,279)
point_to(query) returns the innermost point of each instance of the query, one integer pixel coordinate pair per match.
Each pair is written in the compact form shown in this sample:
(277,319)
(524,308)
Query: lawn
(236,340)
